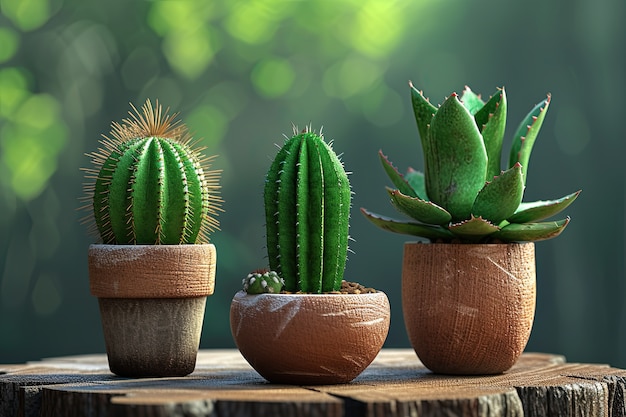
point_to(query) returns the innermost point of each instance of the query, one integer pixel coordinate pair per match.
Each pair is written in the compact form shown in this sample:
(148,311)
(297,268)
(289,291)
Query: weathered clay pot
(309,338)
(152,300)
(468,309)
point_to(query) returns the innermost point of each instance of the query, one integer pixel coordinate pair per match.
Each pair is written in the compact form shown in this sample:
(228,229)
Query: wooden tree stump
(396,384)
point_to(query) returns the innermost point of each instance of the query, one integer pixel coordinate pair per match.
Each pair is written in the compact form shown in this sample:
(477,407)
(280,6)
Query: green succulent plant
(463,195)
(263,281)
(307,207)
(150,184)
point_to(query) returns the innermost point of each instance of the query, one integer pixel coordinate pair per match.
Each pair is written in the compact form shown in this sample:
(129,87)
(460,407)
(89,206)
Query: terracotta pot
(309,338)
(152,300)
(468,309)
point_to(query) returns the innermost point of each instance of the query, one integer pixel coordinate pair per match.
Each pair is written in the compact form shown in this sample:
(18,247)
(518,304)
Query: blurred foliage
(240,73)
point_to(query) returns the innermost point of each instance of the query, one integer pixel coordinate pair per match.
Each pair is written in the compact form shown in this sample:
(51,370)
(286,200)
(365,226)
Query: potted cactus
(152,199)
(469,295)
(300,322)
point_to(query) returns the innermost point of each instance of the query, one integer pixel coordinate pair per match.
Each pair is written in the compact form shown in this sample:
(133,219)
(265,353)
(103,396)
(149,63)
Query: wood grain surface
(395,384)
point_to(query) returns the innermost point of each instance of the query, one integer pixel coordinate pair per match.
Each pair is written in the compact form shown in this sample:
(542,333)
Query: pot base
(152,337)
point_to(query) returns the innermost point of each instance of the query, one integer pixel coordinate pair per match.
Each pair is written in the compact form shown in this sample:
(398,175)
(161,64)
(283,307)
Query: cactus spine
(307,208)
(150,184)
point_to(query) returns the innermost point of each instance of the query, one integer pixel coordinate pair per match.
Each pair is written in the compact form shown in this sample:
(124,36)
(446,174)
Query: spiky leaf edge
(491,121)
(531,232)
(394,175)
(499,198)
(539,210)
(474,229)
(472,101)
(423,111)
(418,209)
(408,228)
(525,135)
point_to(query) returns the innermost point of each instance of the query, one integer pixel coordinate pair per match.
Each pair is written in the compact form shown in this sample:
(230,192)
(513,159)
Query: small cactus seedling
(263,281)
(463,196)
(150,184)
(307,208)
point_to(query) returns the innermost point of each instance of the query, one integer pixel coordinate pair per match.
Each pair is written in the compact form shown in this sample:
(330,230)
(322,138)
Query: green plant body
(151,184)
(463,195)
(307,208)
(264,281)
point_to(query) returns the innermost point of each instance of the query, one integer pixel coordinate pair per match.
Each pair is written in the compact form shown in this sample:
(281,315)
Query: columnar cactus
(150,185)
(463,196)
(307,208)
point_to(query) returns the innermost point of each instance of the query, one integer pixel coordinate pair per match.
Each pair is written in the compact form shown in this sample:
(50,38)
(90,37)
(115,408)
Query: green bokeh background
(241,72)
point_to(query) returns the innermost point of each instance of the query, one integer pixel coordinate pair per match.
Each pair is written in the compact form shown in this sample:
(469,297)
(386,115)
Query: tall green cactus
(150,185)
(307,208)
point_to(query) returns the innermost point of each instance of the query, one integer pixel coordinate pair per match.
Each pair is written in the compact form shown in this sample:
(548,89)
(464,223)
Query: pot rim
(415,242)
(113,247)
(331,294)
(152,271)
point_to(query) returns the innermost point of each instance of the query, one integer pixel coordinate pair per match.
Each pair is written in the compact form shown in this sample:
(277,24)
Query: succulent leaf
(456,163)
(462,146)
(499,198)
(423,111)
(417,182)
(396,178)
(488,110)
(472,101)
(531,232)
(491,121)
(474,229)
(539,210)
(526,134)
(407,228)
(417,209)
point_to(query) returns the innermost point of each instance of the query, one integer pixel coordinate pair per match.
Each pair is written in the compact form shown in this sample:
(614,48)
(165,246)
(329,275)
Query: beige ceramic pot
(309,338)
(152,300)
(468,309)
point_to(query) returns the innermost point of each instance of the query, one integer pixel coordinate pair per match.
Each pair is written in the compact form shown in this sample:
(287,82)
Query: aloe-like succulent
(307,207)
(463,195)
(150,183)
